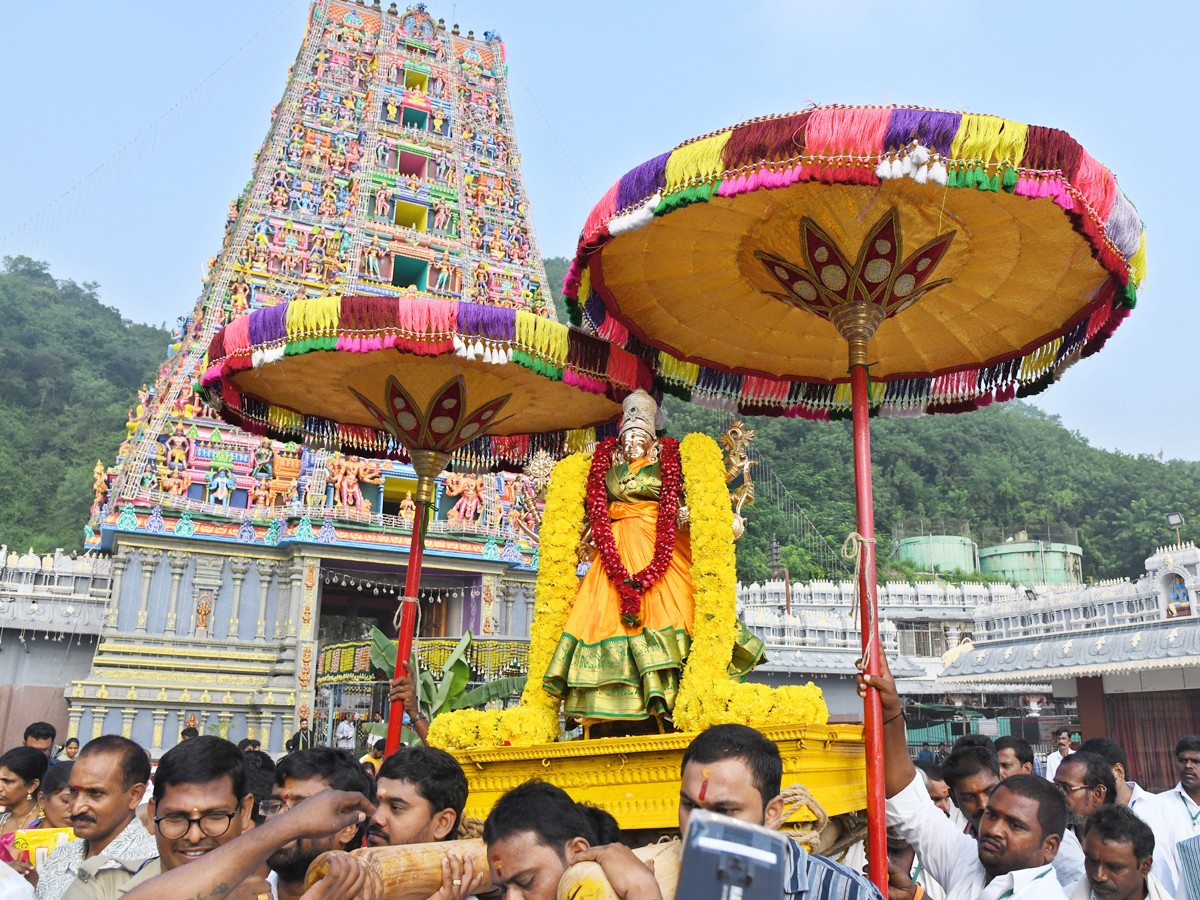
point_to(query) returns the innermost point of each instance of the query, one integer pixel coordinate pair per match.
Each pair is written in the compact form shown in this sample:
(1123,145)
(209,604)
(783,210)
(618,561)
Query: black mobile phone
(725,859)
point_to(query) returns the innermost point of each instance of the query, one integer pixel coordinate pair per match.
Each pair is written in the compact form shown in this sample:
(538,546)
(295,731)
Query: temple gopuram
(390,168)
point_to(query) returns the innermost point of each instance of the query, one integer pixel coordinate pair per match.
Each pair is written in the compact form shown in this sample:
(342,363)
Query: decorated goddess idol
(629,633)
(648,639)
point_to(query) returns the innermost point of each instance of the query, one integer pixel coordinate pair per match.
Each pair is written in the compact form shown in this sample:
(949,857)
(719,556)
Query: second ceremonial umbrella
(420,378)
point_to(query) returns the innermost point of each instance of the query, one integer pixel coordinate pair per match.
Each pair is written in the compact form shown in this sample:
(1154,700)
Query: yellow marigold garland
(706,695)
(535,721)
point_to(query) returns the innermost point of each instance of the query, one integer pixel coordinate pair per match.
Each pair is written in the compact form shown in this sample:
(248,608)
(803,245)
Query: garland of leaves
(632,587)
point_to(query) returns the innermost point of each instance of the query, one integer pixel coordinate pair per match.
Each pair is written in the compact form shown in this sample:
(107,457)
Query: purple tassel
(642,182)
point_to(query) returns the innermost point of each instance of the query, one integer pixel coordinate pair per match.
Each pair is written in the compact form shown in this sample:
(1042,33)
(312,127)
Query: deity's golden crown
(639,411)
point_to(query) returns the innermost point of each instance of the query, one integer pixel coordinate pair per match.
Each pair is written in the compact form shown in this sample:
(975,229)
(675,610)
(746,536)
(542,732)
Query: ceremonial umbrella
(421,379)
(960,258)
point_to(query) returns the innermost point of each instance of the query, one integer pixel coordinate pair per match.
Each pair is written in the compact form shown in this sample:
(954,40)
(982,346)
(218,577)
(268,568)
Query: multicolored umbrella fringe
(865,145)
(426,327)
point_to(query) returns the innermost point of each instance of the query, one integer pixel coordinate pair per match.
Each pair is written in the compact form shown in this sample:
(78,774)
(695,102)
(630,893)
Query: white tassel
(937,172)
(920,155)
(884,169)
(478,349)
(638,218)
(487,355)
(897,167)
(510,354)
(460,349)
(906,167)
(921,175)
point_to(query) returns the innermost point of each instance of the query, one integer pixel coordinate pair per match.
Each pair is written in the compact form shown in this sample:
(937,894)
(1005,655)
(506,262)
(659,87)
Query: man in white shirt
(345,737)
(1129,793)
(1059,753)
(1086,782)
(1177,813)
(1118,848)
(1019,831)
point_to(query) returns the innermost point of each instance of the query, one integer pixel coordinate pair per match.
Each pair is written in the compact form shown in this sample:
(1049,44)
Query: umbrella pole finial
(857,323)
(428,464)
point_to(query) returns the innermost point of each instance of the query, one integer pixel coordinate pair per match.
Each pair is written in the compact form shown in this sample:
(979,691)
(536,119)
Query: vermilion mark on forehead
(703,790)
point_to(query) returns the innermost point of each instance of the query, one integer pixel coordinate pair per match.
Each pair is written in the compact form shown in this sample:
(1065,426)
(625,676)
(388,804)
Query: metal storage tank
(938,552)
(1033,562)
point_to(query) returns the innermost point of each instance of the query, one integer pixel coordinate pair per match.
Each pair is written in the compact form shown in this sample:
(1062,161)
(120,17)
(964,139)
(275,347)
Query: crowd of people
(979,821)
(260,824)
(975,822)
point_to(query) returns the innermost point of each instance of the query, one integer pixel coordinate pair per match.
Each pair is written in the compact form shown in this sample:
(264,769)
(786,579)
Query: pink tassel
(614,332)
(602,211)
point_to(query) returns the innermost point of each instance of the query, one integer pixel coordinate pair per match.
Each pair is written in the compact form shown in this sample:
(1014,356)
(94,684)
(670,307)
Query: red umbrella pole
(427,464)
(408,622)
(872,650)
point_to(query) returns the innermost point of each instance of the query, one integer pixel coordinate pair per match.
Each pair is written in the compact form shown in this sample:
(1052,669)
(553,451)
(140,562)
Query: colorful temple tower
(390,168)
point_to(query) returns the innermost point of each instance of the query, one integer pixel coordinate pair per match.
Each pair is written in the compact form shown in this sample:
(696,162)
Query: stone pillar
(160,718)
(99,714)
(74,714)
(265,574)
(149,559)
(504,593)
(119,564)
(237,570)
(223,720)
(295,599)
(127,715)
(529,598)
(179,564)
(265,722)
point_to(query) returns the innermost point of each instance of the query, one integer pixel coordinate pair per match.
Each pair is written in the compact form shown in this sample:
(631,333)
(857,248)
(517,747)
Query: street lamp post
(1175,520)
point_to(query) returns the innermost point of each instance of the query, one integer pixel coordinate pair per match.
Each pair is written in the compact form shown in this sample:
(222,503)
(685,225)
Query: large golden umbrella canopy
(995,254)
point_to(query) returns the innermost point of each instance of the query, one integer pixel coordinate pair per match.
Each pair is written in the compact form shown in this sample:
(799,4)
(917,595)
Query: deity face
(635,443)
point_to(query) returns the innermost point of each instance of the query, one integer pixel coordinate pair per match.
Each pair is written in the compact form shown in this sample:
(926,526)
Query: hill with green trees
(70,368)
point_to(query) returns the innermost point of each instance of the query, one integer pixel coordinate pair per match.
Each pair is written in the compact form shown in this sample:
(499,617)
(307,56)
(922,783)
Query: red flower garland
(631,587)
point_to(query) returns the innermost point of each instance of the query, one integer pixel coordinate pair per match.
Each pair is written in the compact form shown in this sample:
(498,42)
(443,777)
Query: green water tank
(1033,562)
(938,552)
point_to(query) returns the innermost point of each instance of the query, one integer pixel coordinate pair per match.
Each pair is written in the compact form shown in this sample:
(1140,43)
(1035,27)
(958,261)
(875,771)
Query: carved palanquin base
(637,778)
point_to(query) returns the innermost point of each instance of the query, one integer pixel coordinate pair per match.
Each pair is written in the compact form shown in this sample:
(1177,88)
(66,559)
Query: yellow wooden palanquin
(636,779)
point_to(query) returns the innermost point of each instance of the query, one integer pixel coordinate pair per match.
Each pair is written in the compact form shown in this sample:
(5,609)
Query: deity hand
(586,550)
(683,517)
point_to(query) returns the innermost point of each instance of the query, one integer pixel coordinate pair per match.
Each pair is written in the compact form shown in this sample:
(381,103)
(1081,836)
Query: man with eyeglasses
(199,803)
(1087,784)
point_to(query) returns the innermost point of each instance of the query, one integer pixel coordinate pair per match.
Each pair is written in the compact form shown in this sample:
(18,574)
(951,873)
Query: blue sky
(130,126)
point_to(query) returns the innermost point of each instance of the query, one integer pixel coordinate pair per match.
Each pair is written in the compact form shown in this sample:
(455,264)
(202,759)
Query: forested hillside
(70,368)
